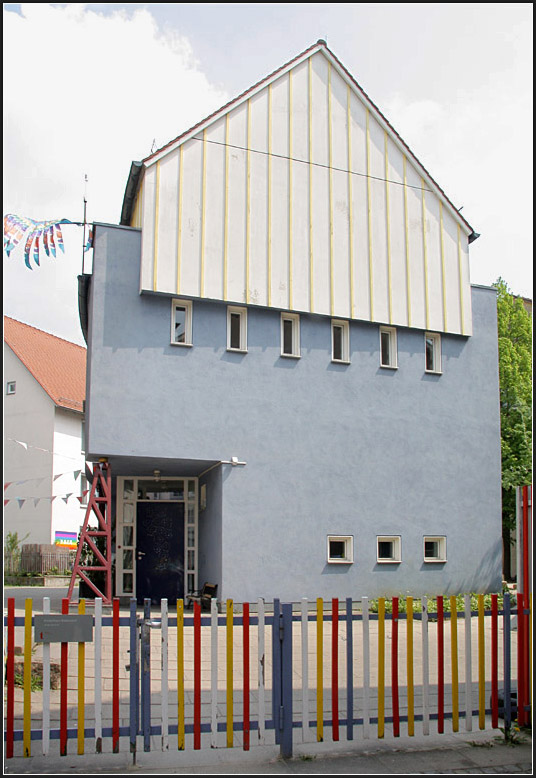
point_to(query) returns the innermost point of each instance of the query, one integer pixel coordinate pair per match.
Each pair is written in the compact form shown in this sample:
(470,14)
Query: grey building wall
(330,449)
(28,417)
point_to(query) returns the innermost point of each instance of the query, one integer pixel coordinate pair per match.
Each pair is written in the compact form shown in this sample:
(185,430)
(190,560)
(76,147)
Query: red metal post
(10,677)
(494,663)
(64,675)
(197,676)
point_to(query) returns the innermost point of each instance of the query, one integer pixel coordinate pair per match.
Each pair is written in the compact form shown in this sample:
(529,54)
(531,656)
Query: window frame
(393,348)
(348,541)
(295,319)
(345,342)
(436,338)
(243,313)
(11,387)
(442,549)
(188,308)
(397,549)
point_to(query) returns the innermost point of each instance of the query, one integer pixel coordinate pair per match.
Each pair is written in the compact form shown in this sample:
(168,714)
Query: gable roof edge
(319,46)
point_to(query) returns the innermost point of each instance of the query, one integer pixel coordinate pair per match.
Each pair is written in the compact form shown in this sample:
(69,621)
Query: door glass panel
(191,490)
(191,514)
(128,556)
(191,537)
(191,560)
(128,536)
(127,583)
(128,513)
(128,490)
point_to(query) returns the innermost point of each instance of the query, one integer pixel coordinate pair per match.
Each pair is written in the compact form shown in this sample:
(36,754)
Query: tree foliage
(515,385)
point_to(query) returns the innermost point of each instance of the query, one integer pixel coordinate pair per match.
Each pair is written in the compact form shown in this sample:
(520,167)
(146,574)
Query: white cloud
(85,94)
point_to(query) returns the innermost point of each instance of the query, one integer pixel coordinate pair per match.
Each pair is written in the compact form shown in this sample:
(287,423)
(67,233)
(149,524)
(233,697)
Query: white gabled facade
(300,196)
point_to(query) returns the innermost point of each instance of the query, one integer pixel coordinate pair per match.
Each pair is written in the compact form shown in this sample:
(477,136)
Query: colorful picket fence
(249,675)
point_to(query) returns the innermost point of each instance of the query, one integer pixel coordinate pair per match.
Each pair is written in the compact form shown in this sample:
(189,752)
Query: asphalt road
(37,593)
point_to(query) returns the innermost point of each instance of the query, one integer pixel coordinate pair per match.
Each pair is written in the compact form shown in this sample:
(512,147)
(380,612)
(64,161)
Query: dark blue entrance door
(159,551)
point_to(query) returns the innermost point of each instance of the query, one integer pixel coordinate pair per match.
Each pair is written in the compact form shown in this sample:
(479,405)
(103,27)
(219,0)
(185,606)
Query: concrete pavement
(481,752)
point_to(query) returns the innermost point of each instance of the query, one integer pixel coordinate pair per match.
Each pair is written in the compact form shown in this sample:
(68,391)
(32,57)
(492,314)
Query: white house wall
(300,197)
(29,419)
(67,514)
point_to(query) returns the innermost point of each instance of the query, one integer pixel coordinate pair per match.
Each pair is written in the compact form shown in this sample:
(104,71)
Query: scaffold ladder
(99,506)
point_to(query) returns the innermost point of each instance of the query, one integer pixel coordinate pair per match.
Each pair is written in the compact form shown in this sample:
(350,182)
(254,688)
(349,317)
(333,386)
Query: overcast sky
(90,87)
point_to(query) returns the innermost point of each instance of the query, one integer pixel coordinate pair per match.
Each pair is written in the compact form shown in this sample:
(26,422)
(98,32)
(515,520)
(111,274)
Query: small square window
(388,349)
(181,322)
(290,335)
(389,548)
(340,549)
(340,341)
(435,548)
(11,387)
(236,329)
(432,343)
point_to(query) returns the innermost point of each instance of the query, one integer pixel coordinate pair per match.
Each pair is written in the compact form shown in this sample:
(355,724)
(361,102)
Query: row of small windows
(181,334)
(340,549)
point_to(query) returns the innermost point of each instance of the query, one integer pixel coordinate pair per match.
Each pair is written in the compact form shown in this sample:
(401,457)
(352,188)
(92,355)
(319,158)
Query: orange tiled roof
(58,365)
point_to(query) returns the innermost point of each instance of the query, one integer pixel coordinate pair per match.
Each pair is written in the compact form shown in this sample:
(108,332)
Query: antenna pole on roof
(85,222)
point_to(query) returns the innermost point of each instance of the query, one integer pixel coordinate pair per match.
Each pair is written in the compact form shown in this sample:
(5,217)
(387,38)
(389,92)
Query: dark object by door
(159,552)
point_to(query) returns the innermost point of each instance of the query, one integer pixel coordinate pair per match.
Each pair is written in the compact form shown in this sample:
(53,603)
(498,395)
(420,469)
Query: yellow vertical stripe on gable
(369,215)
(156,218)
(290,188)
(203,216)
(460,277)
(350,201)
(388,229)
(443,282)
(406,230)
(248,201)
(425,255)
(311,268)
(330,151)
(226,215)
(269,280)
(179,219)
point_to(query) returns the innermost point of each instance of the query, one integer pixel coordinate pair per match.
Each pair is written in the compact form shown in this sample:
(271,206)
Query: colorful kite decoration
(15,228)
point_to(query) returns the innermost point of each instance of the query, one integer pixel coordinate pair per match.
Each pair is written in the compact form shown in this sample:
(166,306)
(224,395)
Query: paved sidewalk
(481,752)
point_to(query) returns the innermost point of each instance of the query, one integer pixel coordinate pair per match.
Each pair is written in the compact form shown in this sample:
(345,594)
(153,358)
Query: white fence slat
(262,669)
(468,665)
(46,686)
(425,670)
(98,672)
(214,672)
(165,680)
(305,667)
(366,667)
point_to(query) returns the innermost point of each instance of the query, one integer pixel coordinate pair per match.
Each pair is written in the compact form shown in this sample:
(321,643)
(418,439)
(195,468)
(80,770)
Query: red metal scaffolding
(99,506)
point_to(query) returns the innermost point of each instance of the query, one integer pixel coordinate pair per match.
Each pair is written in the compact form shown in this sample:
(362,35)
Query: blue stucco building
(289,371)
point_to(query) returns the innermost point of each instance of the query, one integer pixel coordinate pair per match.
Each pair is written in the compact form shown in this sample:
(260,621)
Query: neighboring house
(289,372)
(44,464)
